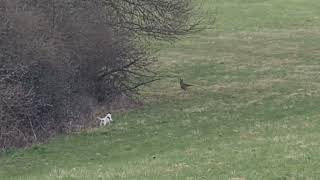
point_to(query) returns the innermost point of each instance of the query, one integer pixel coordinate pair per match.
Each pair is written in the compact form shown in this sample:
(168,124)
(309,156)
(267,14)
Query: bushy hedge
(58,59)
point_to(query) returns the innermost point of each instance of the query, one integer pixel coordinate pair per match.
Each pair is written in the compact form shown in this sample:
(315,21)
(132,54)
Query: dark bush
(59,59)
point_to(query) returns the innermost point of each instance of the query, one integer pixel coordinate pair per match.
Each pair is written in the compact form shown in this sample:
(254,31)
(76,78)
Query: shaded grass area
(253,111)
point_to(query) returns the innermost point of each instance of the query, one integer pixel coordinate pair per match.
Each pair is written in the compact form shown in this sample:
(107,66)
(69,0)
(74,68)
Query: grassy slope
(254,113)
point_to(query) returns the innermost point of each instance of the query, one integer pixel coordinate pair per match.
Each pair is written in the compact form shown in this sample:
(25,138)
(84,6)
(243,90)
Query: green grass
(253,114)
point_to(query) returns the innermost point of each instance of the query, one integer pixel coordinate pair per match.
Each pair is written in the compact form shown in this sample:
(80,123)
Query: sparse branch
(160,19)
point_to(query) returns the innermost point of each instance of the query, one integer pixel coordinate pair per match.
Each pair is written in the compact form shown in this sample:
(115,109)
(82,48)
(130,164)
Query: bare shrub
(59,59)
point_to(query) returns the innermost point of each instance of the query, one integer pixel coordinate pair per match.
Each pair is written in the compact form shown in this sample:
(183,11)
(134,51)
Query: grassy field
(253,114)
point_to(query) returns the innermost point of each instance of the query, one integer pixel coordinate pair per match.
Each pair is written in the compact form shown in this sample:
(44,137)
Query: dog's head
(109,117)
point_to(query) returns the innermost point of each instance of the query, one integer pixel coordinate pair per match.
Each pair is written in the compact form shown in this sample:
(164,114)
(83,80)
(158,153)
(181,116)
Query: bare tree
(59,58)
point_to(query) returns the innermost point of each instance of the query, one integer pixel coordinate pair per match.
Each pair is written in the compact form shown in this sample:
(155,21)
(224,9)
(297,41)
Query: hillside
(253,112)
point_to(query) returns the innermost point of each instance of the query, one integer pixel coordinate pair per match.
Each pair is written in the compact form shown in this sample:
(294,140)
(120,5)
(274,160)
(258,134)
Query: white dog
(105,120)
